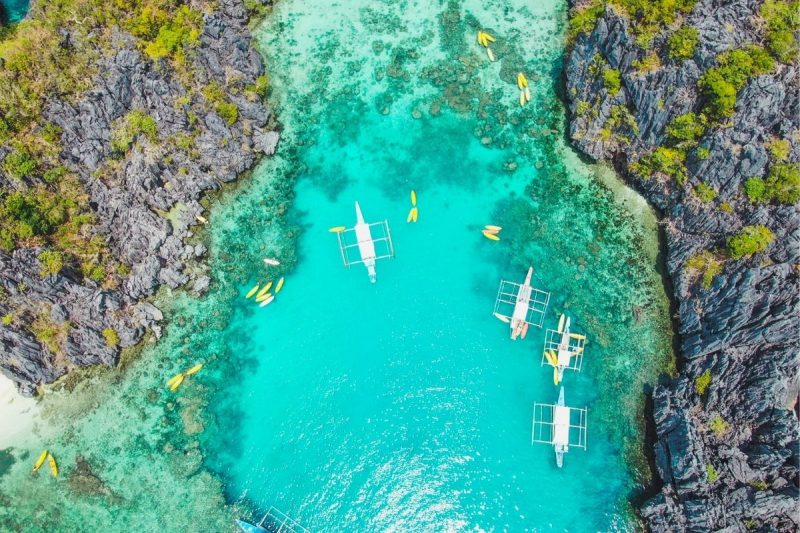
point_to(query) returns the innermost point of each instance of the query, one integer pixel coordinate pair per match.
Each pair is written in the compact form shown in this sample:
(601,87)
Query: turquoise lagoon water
(15,9)
(402,405)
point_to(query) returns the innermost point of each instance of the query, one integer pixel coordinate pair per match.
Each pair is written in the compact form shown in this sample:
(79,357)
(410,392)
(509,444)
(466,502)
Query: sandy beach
(17,415)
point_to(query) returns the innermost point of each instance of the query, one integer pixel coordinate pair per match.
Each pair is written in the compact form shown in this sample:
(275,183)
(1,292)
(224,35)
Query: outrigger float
(559,426)
(275,521)
(526,305)
(360,238)
(563,349)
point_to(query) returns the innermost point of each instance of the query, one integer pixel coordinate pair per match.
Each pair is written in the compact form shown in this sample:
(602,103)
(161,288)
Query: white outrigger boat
(275,521)
(563,349)
(527,305)
(559,426)
(360,238)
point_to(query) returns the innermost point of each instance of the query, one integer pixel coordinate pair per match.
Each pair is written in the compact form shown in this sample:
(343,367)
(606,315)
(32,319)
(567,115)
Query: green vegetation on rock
(782,18)
(687,128)
(702,382)
(648,17)
(111,337)
(779,149)
(781,185)
(718,426)
(612,81)
(649,63)
(704,192)
(583,19)
(711,473)
(664,160)
(52,262)
(751,240)
(709,267)
(720,84)
(128,128)
(215,95)
(682,43)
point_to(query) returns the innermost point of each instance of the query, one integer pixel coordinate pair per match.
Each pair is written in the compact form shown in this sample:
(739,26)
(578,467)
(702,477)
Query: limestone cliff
(143,198)
(727,428)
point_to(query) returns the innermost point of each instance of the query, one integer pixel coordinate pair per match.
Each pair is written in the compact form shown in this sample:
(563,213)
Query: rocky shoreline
(147,204)
(726,450)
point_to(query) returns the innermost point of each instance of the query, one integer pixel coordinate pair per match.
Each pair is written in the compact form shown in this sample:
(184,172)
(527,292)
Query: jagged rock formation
(146,204)
(727,457)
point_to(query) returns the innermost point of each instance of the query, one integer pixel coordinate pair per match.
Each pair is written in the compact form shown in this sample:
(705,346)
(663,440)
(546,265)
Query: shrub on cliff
(216,96)
(687,128)
(751,240)
(127,129)
(583,19)
(720,84)
(702,382)
(682,43)
(612,81)
(52,262)
(781,185)
(704,192)
(668,161)
(111,337)
(782,19)
(709,267)
(19,163)
(648,17)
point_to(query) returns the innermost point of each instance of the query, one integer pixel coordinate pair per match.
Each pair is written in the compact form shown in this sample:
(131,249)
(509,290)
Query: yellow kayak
(53,464)
(550,359)
(413,198)
(194,370)
(522,81)
(410,216)
(490,54)
(492,229)
(522,100)
(252,291)
(578,336)
(40,461)
(279,286)
(263,297)
(415,215)
(555,376)
(173,379)
(264,291)
(337,229)
(484,38)
(527,94)
(561,323)
(490,236)
(177,383)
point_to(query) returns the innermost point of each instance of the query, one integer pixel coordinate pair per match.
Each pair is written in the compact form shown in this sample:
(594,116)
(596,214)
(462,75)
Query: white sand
(17,415)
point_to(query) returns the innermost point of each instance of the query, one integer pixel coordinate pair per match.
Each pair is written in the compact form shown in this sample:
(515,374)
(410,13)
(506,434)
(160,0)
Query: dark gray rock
(743,328)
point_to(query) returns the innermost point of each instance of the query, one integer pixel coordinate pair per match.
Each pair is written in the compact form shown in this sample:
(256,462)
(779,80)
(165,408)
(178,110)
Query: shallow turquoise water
(15,9)
(404,405)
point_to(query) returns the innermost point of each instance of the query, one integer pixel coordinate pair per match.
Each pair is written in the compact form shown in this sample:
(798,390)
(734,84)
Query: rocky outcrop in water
(727,425)
(146,203)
